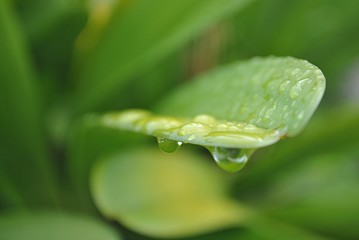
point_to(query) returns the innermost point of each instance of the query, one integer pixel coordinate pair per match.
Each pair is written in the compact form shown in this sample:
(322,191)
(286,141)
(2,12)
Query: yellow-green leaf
(163,195)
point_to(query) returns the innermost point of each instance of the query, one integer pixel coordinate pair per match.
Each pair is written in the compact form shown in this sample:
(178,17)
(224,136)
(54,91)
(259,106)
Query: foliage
(68,168)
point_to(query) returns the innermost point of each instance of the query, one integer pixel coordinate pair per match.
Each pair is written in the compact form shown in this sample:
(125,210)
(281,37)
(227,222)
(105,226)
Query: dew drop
(192,128)
(191,137)
(295,92)
(284,86)
(295,72)
(300,114)
(269,113)
(222,127)
(167,145)
(230,159)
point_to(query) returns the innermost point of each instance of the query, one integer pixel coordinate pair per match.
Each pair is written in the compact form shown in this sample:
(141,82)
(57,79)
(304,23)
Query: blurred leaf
(140,36)
(22,147)
(53,226)
(176,196)
(267,229)
(272,97)
(51,28)
(162,195)
(40,16)
(263,228)
(149,87)
(321,194)
(300,28)
(88,142)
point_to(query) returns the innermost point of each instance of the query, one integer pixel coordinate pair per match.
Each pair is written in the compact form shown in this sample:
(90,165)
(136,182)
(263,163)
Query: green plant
(83,84)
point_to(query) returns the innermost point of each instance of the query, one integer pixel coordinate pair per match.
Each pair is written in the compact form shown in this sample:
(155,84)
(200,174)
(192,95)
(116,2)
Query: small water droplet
(233,128)
(250,127)
(191,137)
(295,71)
(295,125)
(230,159)
(300,114)
(295,91)
(192,128)
(167,145)
(283,87)
(268,114)
(222,127)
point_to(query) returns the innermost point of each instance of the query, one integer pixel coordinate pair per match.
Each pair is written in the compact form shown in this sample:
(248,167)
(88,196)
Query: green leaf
(139,36)
(321,194)
(23,151)
(302,29)
(41,17)
(51,28)
(53,226)
(163,195)
(272,93)
(244,105)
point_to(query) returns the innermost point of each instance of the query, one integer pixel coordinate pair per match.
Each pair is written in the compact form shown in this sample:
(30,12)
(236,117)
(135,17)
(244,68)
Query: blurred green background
(64,59)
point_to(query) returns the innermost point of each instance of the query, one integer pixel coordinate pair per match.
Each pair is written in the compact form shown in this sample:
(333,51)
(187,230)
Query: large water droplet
(231,159)
(167,145)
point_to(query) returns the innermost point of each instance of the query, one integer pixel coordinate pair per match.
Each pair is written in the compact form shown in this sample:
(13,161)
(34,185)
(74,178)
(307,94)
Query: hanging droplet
(231,159)
(167,145)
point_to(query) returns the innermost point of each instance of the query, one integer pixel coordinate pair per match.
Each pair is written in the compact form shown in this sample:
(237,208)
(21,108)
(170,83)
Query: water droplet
(305,81)
(268,114)
(283,87)
(250,127)
(300,114)
(230,159)
(222,127)
(233,128)
(191,137)
(167,145)
(295,91)
(295,71)
(192,128)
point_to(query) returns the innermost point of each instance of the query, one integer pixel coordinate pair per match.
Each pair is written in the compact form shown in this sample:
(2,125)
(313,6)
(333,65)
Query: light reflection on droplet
(230,159)
(167,145)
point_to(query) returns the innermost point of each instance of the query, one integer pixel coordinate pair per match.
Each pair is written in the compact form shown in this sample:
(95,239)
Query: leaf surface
(248,104)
